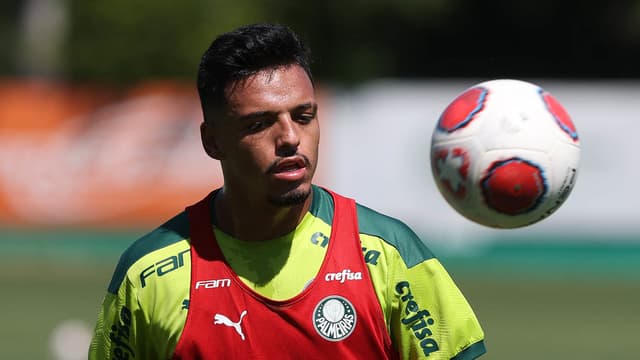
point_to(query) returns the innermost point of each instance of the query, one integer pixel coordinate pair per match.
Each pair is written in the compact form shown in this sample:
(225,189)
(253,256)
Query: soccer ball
(505,153)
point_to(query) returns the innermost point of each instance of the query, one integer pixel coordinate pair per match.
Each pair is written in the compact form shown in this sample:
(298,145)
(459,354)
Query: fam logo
(334,318)
(163,267)
(213,284)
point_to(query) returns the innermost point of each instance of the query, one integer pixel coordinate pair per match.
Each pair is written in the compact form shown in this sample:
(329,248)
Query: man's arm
(118,327)
(429,316)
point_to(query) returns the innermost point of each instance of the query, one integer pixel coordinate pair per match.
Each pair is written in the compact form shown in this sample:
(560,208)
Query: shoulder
(150,246)
(393,232)
(373,225)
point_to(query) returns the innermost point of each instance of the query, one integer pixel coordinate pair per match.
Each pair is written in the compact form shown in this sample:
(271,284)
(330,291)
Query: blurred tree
(358,40)
(43,25)
(9,19)
(120,41)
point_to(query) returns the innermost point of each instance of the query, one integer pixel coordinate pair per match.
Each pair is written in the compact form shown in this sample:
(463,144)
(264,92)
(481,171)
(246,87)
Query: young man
(271,266)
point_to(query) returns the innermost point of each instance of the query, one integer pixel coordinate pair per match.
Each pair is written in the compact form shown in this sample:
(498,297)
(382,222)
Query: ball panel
(454,166)
(513,186)
(451,168)
(560,115)
(462,110)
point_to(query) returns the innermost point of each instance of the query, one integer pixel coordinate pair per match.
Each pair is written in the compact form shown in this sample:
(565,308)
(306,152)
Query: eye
(256,126)
(305,117)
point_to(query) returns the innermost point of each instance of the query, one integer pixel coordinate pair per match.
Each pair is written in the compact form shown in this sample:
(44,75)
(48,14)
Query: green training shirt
(145,308)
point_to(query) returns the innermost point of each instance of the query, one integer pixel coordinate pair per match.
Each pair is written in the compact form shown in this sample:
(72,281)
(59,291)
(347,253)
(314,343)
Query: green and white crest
(334,318)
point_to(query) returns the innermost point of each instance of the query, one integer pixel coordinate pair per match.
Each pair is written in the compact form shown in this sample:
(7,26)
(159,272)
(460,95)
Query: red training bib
(336,316)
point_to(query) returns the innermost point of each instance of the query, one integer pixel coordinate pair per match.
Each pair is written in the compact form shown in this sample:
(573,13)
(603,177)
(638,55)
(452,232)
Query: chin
(291,198)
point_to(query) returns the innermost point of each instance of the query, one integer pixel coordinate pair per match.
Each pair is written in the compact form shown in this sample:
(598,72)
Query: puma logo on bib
(220,319)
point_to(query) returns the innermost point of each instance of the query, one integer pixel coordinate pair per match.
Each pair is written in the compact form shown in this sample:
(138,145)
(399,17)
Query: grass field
(582,307)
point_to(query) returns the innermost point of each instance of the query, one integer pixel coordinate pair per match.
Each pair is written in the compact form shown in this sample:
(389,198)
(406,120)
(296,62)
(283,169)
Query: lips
(290,169)
(289,165)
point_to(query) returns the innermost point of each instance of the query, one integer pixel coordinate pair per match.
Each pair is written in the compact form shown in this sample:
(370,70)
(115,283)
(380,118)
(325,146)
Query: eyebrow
(307,106)
(261,114)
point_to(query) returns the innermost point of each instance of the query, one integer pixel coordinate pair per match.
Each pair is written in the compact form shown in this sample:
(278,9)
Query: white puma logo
(221,319)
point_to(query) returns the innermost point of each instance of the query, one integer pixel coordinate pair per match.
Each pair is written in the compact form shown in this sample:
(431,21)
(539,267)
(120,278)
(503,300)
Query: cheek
(255,155)
(313,141)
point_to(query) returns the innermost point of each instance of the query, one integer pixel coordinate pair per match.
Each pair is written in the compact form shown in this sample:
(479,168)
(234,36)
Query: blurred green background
(121,41)
(555,297)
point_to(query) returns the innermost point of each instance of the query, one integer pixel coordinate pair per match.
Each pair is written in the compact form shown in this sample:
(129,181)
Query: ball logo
(334,318)
(559,114)
(463,109)
(451,167)
(514,186)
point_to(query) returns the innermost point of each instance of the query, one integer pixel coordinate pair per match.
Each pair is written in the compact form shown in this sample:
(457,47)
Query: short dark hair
(245,51)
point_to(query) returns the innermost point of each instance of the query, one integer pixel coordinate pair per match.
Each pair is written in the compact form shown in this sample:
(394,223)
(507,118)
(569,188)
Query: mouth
(289,165)
(290,169)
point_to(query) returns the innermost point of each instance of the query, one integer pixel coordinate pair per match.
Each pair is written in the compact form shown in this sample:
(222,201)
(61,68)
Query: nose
(287,138)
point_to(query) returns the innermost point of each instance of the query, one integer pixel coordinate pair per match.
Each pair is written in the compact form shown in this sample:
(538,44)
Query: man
(270,265)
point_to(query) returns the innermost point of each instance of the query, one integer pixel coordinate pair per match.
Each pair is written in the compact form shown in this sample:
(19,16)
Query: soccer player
(272,266)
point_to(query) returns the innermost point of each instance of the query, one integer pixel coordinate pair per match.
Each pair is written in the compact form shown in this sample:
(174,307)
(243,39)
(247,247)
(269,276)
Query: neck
(256,221)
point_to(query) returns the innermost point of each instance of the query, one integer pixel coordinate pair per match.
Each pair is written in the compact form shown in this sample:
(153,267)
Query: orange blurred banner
(80,156)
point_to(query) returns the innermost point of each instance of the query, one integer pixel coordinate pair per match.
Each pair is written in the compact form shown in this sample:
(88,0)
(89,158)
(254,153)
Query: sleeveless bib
(336,316)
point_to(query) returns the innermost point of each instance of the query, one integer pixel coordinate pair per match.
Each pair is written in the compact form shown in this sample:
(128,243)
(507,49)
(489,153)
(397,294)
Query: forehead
(271,90)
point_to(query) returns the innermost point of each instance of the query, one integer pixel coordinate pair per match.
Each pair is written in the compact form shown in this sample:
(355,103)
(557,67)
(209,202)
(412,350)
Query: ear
(208,140)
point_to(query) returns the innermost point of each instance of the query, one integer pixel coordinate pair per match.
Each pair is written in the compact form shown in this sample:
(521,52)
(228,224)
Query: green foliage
(8,35)
(124,41)
(121,42)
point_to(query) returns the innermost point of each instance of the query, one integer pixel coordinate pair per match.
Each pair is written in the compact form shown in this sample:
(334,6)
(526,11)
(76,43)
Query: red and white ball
(505,153)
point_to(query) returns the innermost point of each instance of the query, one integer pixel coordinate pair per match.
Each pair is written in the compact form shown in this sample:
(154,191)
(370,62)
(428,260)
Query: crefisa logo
(334,318)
